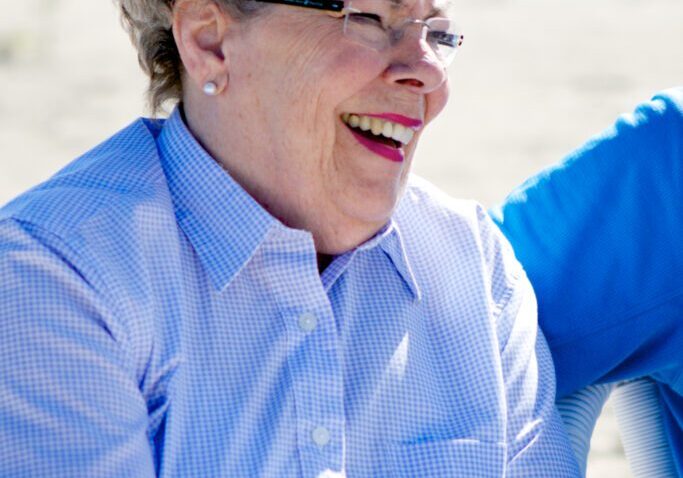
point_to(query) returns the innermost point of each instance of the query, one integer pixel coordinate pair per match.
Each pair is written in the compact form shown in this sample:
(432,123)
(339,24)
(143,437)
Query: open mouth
(379,139)
(387,133)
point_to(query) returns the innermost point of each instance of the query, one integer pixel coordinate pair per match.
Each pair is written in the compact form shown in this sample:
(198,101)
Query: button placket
(313,360)
(317,378)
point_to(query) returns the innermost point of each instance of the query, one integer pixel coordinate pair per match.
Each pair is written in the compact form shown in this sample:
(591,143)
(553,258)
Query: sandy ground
(535,79)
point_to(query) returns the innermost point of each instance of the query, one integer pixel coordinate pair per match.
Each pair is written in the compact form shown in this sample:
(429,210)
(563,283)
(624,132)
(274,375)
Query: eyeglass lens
(367,26)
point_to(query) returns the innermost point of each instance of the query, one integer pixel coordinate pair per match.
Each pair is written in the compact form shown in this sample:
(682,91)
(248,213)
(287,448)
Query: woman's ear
(200,29)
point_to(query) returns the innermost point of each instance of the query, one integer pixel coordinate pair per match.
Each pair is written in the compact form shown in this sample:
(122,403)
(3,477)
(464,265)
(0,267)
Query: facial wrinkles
(263,118)
(315,54)
(301,66)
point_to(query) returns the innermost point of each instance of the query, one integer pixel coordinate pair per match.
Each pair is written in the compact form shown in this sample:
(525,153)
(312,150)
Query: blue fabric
(600,237)
(156,320)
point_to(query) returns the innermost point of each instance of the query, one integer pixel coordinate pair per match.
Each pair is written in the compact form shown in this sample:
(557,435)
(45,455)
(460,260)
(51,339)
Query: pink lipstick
(396,118)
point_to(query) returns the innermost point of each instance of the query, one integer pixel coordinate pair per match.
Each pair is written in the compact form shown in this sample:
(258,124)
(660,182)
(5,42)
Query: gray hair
(148,23)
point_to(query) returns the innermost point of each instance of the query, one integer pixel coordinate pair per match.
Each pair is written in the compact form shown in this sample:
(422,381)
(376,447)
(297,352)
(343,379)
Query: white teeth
(378,127)
(407,136)
(388,129)
(364,123)
(399,132)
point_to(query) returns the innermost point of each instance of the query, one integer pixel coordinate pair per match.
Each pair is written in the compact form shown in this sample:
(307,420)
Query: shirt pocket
(456,458)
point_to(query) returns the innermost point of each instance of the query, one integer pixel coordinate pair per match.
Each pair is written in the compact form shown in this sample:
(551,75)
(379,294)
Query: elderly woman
(255,286)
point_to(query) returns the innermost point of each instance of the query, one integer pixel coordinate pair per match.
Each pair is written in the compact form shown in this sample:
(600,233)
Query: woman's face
(299,80)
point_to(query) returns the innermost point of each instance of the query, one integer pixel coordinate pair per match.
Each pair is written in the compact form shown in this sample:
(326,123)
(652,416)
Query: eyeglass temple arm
(329,5)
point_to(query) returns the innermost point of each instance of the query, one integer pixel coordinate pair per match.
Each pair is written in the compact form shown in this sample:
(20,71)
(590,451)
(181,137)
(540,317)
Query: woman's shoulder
(108,208)
(426,209)
(456,237)
(432,204)
(112,179)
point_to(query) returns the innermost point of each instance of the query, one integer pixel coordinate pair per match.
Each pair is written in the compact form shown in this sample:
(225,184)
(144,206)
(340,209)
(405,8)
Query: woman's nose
(414,63)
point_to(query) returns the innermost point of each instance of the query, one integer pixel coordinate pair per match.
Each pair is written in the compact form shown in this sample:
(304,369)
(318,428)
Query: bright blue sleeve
(600,236)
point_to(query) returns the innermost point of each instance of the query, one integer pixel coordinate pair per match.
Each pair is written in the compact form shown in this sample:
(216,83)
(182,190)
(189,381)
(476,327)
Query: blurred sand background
(534,79)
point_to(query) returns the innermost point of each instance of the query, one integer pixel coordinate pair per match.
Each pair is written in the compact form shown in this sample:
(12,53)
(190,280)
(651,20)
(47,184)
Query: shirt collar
(391,242)
(387,241)
(224,224)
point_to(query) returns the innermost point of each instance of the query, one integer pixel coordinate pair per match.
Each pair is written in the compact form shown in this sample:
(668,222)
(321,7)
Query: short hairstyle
(149,25)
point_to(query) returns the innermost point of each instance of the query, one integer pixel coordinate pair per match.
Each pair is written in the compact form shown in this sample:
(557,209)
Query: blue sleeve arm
(599,236)
(69,400)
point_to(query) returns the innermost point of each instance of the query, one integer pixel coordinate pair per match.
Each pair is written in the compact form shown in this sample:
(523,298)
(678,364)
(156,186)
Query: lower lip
(392,154)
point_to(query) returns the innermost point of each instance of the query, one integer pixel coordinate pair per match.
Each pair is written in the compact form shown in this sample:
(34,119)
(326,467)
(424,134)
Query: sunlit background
(534,79)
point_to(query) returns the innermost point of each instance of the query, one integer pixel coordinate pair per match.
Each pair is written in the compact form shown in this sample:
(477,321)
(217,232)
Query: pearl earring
(210,88)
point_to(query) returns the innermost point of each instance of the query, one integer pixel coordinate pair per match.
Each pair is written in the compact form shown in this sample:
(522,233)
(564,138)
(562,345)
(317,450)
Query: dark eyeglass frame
(337,7)
(327,5)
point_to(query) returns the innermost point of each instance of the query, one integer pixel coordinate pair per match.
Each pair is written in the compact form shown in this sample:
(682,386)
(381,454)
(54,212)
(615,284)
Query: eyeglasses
(370,27)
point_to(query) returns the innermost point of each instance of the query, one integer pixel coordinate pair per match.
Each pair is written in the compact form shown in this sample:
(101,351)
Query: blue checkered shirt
(156,321)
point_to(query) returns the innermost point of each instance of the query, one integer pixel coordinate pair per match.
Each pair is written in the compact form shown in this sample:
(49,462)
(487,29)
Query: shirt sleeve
(536,441)
(599,235)
(69,400)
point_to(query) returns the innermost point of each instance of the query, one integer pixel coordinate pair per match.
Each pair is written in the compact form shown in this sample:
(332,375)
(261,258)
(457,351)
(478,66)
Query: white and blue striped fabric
(156,321)
(640,417)
(580,412)
(641,423)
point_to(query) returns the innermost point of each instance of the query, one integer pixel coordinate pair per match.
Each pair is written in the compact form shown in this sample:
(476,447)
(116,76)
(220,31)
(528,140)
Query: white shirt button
(308,322)
(321,436)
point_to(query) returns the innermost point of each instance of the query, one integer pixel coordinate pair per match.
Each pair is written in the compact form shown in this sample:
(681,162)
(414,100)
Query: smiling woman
(330,181)
(256,285)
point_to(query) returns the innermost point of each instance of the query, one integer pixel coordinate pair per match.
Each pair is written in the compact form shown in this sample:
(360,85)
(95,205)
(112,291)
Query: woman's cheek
(359,66)
(436,101)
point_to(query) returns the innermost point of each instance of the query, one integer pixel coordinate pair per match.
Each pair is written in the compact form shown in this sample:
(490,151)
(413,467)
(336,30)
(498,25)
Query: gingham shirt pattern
(156,321)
